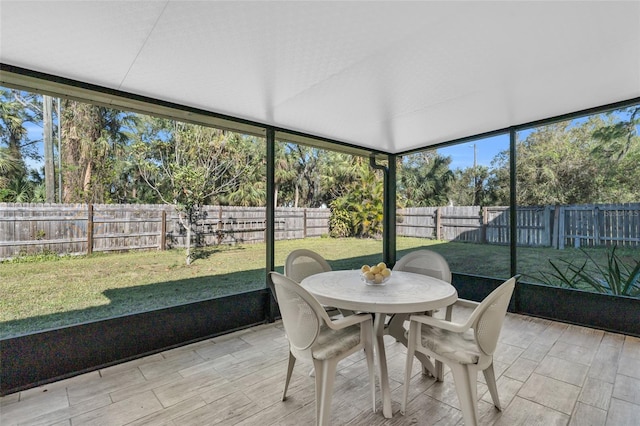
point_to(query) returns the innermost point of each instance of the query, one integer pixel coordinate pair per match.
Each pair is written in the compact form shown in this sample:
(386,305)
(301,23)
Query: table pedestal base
(380,330)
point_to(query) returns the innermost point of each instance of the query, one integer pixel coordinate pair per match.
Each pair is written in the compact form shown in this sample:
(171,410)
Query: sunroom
(395,87)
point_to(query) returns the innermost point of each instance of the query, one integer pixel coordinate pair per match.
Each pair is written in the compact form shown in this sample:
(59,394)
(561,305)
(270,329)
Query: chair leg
(346,312)
(411,348)
(465,378)
(292,363)
(439,371)
(396,327)
(325,376)
(448,313)
(490,378)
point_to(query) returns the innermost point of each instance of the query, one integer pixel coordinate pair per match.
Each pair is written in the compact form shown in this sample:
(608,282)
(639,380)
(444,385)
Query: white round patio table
(404,292)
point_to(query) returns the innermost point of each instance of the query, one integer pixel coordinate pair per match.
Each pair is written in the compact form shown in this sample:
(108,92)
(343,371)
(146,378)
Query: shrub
(616,278)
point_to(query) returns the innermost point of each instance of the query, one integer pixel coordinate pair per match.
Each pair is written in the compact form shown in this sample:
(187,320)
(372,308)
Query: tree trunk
(81,129)
(188,242)
(49,169)
(275,196)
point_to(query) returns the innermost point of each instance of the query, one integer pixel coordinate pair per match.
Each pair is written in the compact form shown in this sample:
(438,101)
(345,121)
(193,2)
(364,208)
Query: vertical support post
(513,240)
(163,231)
(90,229)
(59,153)
(269,234)
(389,207)
(438,224)
(391,211)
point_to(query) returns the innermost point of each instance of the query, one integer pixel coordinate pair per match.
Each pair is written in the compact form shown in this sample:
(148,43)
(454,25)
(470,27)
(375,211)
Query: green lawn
(46,293)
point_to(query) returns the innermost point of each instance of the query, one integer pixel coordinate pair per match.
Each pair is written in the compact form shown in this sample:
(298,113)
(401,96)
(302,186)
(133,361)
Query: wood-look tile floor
(549,373)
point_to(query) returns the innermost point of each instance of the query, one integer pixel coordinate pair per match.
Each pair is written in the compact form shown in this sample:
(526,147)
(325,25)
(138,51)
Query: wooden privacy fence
(539,226)
(87,228)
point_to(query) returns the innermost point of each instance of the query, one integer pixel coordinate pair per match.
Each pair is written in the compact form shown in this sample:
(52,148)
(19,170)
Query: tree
(251,189)
(470,186)
(189,167)
(49,169)
(308,165)
(618,153)
(425,179)
(9,166)
(359,210)
(591,160)
(285,174)
(340,172)
(499,181)
(93,143)
(12,135)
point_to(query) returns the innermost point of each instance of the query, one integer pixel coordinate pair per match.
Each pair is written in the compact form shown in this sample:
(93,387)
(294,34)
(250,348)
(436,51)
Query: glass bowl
(372,282)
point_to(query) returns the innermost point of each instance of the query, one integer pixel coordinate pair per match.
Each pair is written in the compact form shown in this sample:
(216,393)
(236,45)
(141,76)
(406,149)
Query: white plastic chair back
(425,262)
(302,263)
(491,313)
(302,315)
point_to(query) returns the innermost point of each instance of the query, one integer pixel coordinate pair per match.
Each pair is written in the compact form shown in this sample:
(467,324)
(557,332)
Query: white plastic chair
(466,348)
(301,263)
(315,338)
(425,262)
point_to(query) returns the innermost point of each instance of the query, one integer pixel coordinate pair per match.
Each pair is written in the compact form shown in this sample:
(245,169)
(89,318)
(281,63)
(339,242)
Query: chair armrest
(436,322)
(466,303)
(349,321)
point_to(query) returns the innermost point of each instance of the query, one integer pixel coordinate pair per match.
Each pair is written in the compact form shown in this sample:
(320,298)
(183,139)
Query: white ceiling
(390,76)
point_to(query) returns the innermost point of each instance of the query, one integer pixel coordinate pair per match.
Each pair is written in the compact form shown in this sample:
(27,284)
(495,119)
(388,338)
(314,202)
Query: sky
(486,150)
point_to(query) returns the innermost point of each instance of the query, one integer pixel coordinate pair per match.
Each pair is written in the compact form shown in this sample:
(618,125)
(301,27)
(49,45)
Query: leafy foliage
(471,187)
(425,179)
(359,211)
(192,165)
(614,278)
(340,223)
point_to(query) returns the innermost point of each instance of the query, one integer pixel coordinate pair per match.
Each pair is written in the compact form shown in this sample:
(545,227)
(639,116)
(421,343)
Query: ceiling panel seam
(135,59)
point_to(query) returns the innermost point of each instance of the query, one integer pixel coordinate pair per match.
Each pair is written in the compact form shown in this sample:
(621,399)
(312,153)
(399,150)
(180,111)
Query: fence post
(596,226)
(304,226)
(163,231)
(560,228)
(438,224)
(546,221)
(90,229)
(485,223)
(556,227)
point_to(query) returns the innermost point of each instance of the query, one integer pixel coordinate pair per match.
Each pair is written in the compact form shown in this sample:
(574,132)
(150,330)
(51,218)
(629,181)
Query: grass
(42,292)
